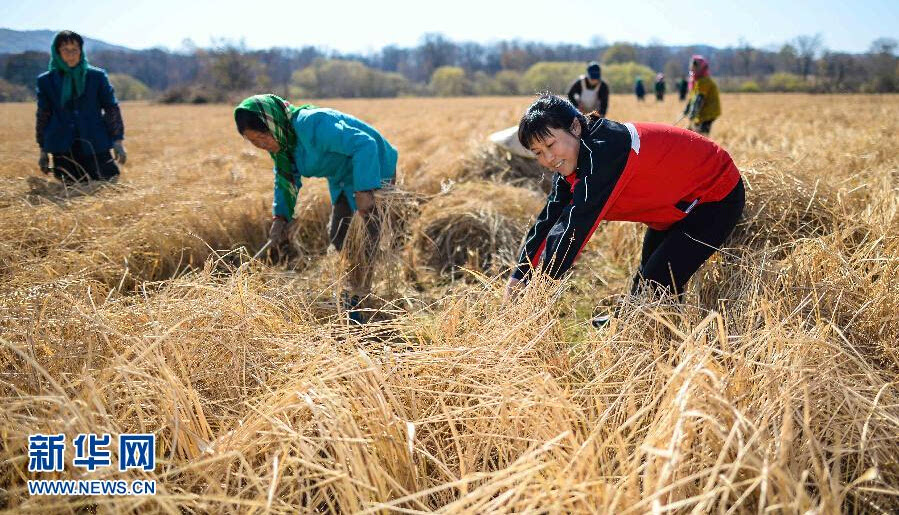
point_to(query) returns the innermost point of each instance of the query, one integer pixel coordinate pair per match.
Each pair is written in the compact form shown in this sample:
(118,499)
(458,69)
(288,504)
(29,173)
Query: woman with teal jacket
(307,141)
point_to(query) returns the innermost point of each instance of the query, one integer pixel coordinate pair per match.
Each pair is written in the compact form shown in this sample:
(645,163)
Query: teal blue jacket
(348,152)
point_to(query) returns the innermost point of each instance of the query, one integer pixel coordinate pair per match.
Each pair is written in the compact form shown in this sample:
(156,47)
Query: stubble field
(135,308)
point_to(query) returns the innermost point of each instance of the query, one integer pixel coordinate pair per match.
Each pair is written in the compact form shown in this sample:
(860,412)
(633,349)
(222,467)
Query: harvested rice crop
(773,388)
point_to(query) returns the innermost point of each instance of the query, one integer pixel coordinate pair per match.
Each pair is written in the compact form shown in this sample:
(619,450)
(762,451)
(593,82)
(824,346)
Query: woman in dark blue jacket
(78,117)
(639,89)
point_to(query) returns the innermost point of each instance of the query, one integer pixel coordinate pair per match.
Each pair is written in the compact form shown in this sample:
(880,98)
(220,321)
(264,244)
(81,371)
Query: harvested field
(135,308)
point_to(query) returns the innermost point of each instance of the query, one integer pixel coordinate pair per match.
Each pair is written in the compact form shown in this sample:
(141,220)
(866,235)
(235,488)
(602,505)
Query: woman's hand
(118,151)
(278,232)
(365,201)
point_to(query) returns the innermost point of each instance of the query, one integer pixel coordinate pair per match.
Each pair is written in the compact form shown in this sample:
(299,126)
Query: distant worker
(357,161)
(682,89)
(660,87)
(703,105)
(78,117)
(639,89)
(589,92)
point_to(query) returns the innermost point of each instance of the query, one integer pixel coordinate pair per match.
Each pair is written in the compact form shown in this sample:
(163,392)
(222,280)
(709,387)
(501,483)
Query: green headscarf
(277,114)
(72,76)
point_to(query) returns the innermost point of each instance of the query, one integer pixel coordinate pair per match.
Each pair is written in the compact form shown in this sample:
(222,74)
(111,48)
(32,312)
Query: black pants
(703,128)
(76,166)
(671,257)
(360,261)
(341,217)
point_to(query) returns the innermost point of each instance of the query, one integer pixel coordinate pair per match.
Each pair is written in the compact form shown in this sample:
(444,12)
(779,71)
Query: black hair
(549,112)
(247,119)
(67,36)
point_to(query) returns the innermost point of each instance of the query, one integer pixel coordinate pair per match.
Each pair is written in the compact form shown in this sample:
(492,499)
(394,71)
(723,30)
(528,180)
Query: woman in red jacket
(683,186)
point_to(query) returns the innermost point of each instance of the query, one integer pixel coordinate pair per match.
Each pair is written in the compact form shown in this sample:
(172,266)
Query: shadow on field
(59,193)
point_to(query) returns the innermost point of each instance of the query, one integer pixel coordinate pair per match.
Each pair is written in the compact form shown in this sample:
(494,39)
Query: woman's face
(559,150)
(70,53)
(263,140)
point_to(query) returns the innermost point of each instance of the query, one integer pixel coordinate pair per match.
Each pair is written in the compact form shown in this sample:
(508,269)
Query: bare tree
(232,68)
(655,55)
(787,58)
(744,56)
(436,51)
(884,65)
(808,48)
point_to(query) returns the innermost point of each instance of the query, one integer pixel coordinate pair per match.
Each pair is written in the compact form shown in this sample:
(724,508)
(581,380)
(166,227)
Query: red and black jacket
(644,172)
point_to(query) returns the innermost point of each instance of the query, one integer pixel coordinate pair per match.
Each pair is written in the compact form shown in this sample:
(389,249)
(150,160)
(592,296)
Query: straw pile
(491,162)
(475,226)
(670,408)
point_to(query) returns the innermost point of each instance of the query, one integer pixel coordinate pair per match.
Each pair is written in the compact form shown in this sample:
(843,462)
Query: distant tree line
(440,66)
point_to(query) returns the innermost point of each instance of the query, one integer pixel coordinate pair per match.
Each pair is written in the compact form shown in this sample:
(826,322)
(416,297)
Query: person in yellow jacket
(703,103)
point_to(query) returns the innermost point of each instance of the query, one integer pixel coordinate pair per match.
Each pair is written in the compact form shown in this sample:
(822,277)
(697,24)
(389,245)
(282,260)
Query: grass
(773,388)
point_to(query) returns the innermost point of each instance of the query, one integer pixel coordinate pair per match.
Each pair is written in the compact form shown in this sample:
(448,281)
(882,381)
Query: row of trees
(439,66)
(348,79)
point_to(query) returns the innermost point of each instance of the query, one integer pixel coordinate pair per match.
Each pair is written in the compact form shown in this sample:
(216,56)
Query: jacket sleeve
(574,92)
(535,239)
(112,114)
(577,221)
(690,95)
(331,134)
(44,112)
(603,99)
(286,192)
(696,106)
(42,120)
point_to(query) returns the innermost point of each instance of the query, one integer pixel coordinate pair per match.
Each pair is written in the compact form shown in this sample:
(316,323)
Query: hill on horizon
(18,41)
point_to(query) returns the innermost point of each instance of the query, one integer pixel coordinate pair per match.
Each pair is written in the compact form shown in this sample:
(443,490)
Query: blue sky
(351,25)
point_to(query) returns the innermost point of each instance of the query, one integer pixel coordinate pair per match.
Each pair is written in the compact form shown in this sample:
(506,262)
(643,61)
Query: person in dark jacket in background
(682,89)
(660,87)
(683,186)
(589,92)
(639,89)
(78,117)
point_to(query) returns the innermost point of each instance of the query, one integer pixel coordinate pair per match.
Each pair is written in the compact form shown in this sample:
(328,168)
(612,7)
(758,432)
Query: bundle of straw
(493,163)
(475,226)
